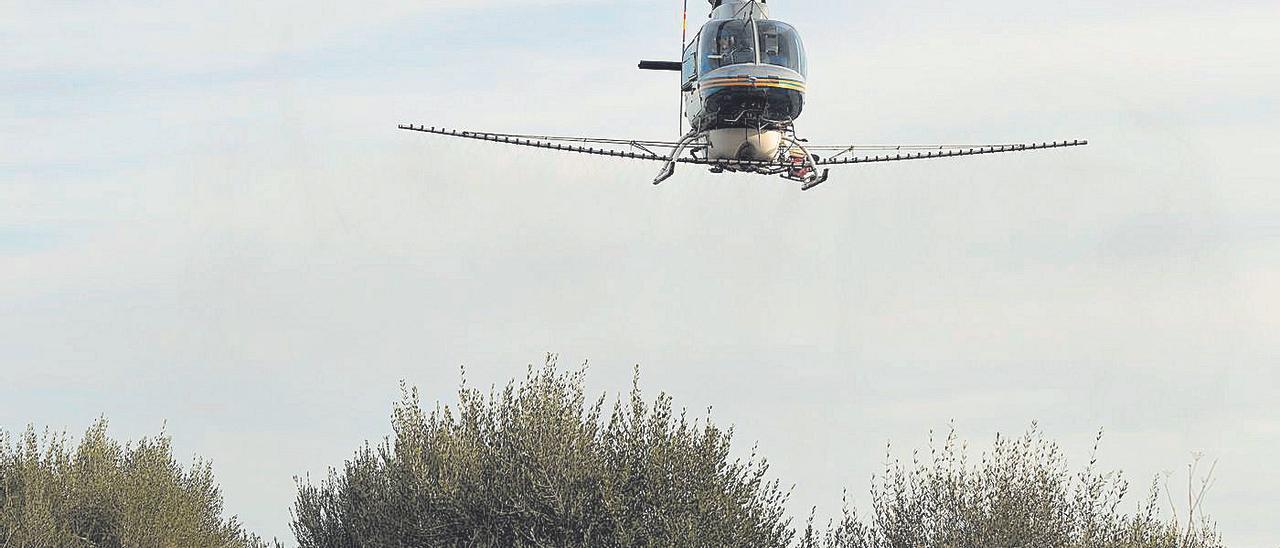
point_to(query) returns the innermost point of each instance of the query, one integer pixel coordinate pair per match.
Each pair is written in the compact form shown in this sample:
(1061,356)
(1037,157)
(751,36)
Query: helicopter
(742,87)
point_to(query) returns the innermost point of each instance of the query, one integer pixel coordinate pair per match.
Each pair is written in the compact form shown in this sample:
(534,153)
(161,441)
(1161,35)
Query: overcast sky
(209,220)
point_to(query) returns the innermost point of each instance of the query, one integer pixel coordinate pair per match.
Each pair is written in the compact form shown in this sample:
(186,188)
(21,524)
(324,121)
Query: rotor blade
(947,152)
(684,37)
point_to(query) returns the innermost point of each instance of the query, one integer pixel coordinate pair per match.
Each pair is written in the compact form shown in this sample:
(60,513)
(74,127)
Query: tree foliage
(537,465)
(1021,494)
(99,493)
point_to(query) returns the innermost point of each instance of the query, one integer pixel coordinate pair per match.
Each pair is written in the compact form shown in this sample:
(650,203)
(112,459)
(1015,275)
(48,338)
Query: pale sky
(208,220)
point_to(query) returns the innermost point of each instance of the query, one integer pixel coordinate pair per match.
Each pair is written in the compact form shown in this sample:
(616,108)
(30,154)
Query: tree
(1021,494)
(535,465)
(101,494)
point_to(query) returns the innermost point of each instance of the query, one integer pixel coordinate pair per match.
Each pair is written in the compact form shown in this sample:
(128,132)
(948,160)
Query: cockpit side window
(728,43)
(780,45)
(689,65)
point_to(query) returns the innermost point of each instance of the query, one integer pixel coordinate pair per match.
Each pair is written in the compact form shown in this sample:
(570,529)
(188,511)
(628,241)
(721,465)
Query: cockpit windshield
(728,43)
(780,45)
(735,42)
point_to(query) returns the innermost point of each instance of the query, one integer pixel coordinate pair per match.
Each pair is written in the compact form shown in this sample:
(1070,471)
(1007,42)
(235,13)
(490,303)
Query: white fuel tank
(744,144)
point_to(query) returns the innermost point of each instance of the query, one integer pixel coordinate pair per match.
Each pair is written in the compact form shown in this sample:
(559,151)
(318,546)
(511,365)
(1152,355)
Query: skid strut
(669,168)
(813,177)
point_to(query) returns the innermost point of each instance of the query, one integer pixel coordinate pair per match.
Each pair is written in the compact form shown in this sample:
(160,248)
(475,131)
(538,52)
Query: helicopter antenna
(684,35)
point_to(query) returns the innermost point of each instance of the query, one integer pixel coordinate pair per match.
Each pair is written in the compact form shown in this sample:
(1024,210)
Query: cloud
(201,36)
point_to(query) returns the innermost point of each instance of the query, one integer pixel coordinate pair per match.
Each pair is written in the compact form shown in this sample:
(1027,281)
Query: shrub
(1021,494)
(101,494)
(536,465)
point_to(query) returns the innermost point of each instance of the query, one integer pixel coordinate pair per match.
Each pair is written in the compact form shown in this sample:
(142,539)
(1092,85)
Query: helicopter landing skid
(814,180)
(669,168)
(804,168)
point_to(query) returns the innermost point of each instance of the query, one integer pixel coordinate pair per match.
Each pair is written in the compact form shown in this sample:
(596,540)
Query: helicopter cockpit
(780,45)
(738,41)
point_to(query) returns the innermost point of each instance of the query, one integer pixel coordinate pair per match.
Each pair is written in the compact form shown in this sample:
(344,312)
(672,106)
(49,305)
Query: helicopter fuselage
(743,81)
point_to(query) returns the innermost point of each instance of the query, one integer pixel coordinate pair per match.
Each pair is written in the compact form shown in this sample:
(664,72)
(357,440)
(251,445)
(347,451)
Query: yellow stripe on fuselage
(746,82)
